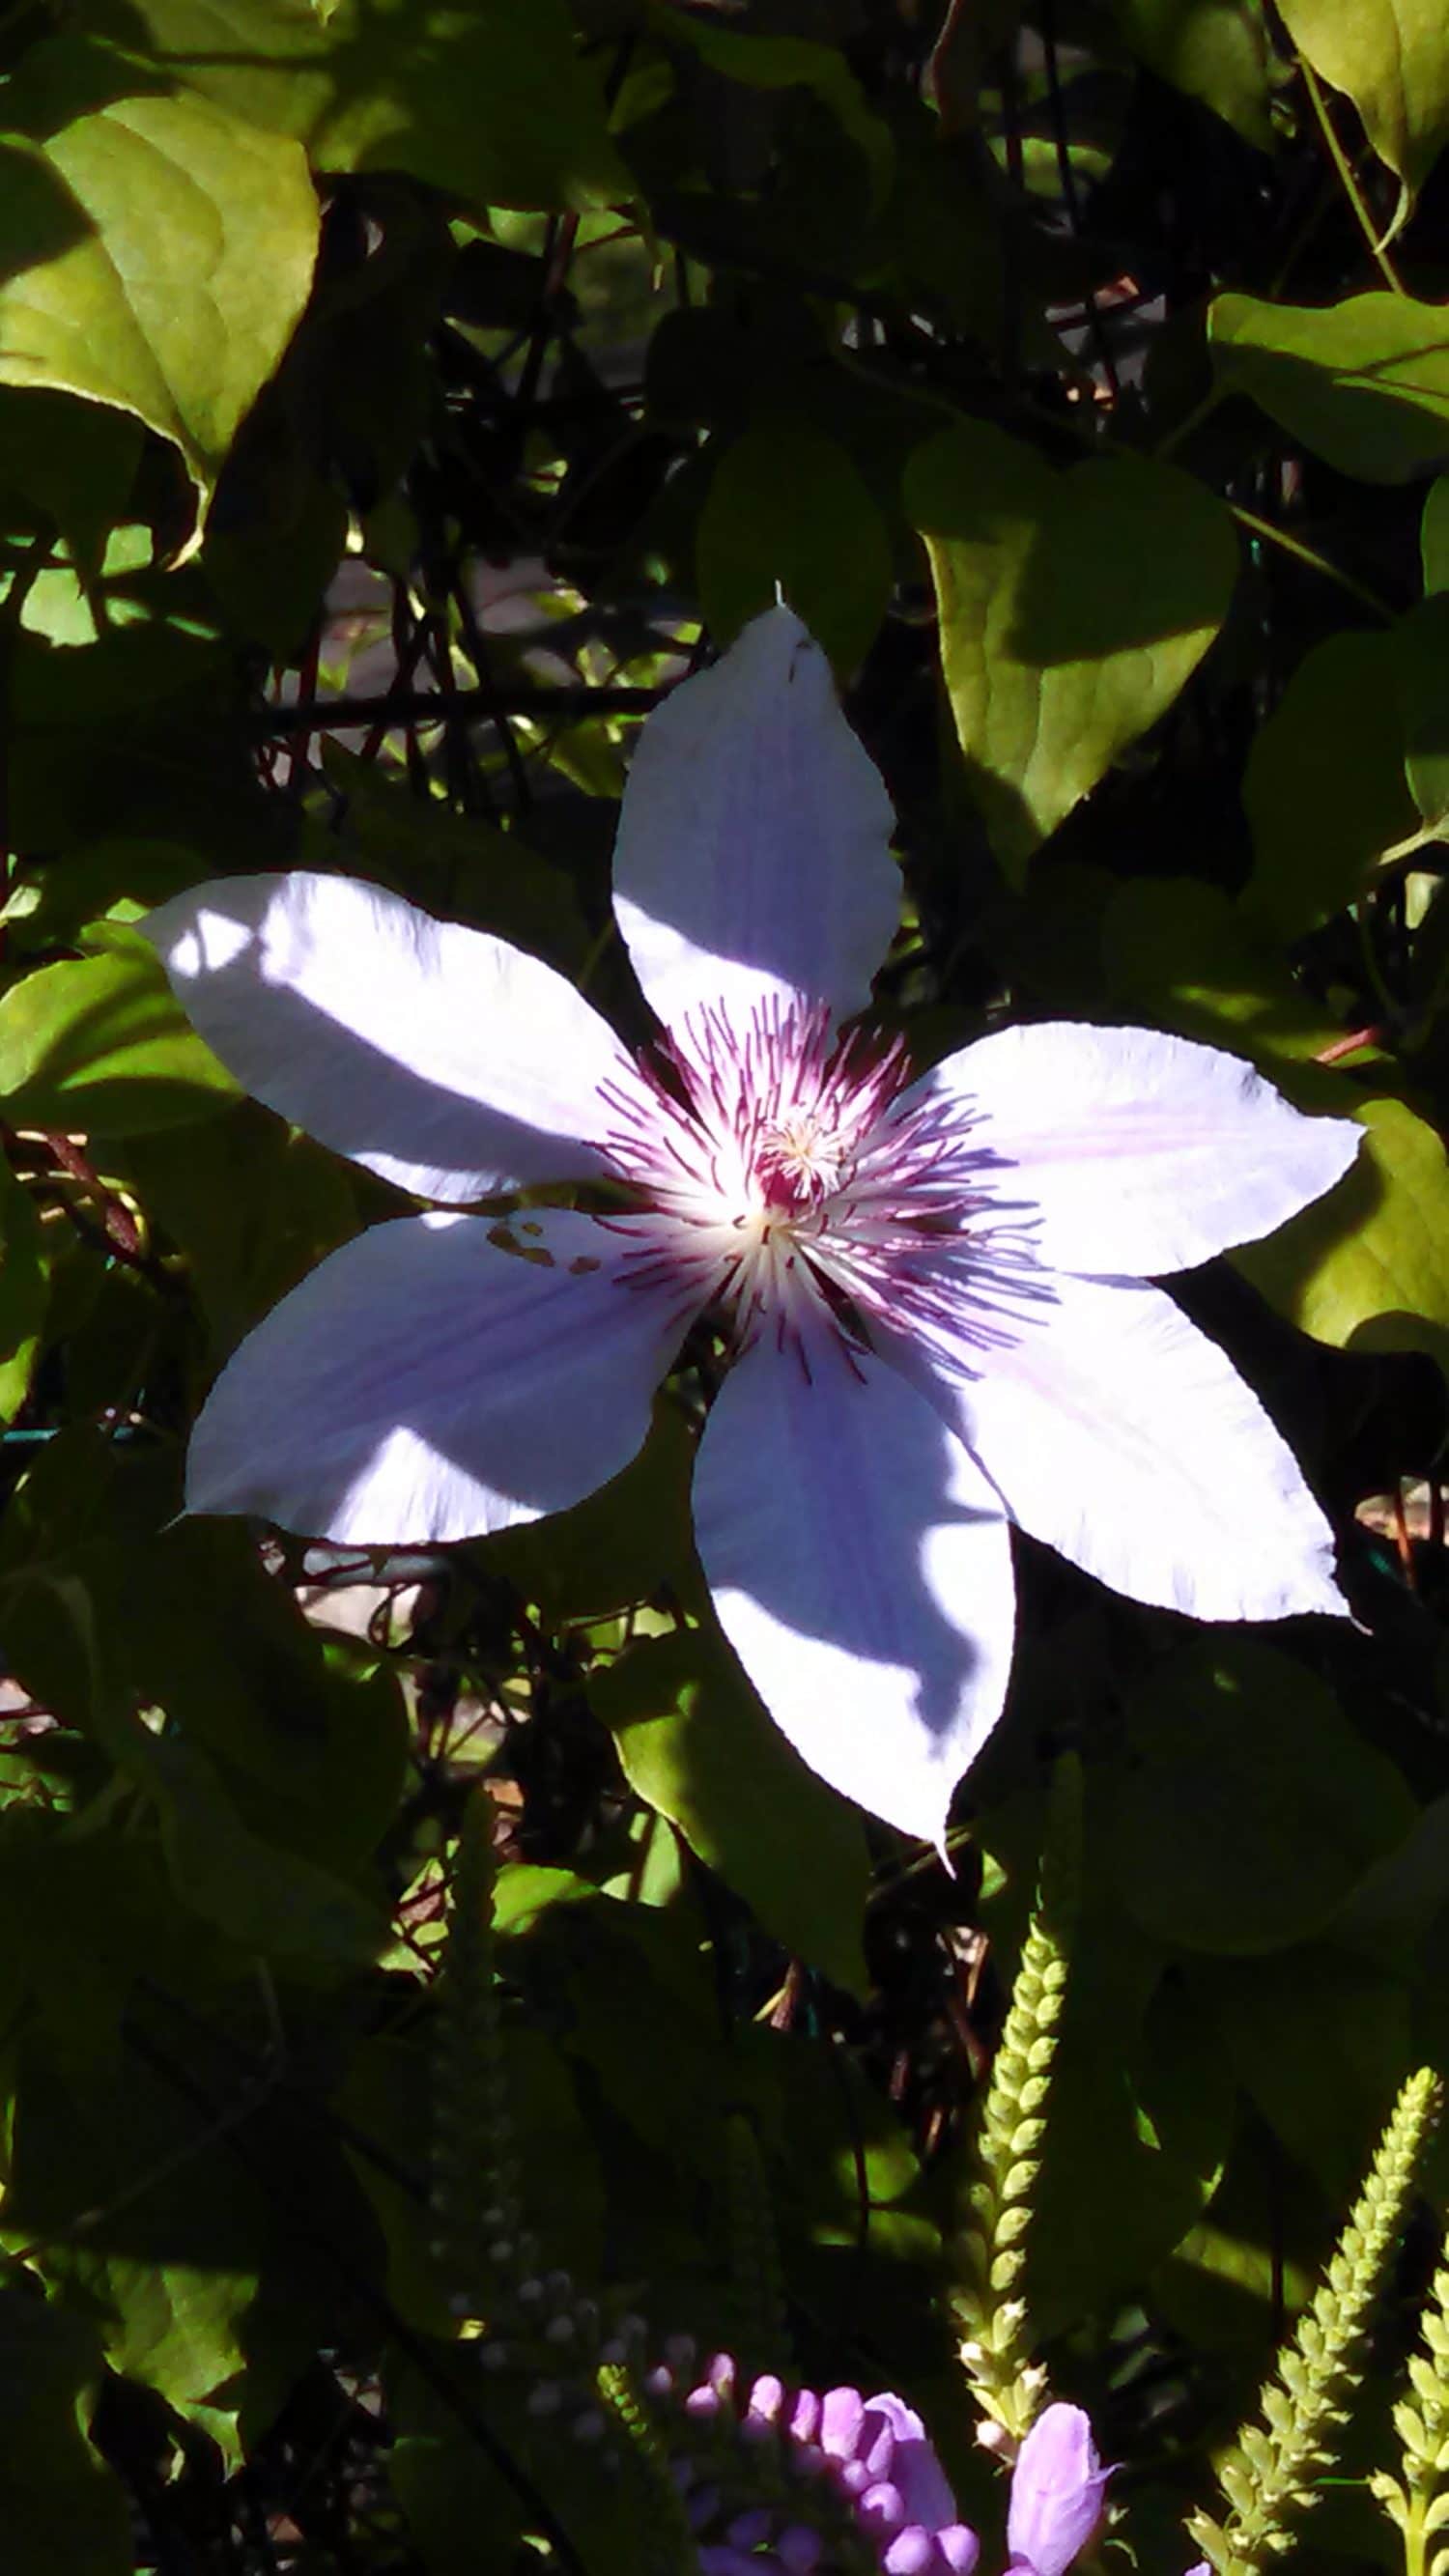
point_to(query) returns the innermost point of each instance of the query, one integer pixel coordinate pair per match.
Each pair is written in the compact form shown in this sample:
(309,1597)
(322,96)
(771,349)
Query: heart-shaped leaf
(156,255)
(1364,384)
(1053,663)
(1391,58)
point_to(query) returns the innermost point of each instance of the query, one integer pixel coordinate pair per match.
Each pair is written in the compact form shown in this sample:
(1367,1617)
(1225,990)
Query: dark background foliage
(394,401)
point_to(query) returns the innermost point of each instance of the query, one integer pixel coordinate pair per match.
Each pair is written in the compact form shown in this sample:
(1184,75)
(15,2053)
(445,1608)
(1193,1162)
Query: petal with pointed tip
(442,1058)
(753,859)
(423,1385)
(861,1568)
(1118,1433)
(1138,1153)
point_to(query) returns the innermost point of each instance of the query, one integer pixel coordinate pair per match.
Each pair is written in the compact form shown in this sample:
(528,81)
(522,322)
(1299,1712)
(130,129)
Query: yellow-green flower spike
(991,2251)
(1419,2501)
(1270,2476)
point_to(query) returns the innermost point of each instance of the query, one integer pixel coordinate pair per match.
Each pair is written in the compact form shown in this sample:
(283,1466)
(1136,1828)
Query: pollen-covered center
(789,1175)
(798,1164)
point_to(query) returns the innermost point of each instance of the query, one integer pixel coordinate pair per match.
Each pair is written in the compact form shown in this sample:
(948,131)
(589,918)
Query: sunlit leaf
(1391,57)
(1363,384)
(156,254)
(101,1043)
(1365,1268)
(492,103)
(697,1746)
(1053,664)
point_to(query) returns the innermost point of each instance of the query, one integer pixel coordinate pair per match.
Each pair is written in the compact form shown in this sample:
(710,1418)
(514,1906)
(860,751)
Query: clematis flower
(1057,2492)
(932,1287)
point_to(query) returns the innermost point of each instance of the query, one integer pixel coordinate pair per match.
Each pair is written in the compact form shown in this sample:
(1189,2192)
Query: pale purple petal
(1057,2489)
(911,2553)
(1118,1433)
(861,1569)
(959,2547)
(443,1059)
(753,858)
(842,2413)
(423,1385)
(1140,1153)
(914,2467)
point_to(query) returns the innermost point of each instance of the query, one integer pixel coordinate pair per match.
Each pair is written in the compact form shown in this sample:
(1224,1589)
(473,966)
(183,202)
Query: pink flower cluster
(859,2486)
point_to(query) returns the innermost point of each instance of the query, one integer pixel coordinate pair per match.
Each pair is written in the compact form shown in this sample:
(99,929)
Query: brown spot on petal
(583,1263)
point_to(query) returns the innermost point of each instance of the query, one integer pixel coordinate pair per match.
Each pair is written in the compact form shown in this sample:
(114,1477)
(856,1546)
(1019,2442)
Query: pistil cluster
(793,1177)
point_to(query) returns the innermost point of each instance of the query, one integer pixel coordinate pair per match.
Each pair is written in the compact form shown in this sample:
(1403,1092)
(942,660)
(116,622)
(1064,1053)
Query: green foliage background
(393,400)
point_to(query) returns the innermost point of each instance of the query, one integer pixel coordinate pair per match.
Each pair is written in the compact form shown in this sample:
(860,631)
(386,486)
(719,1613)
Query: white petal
(1118,1433)
(424,1385)
(442,1058)
(861,1568)
(753,859)
(1142,1153)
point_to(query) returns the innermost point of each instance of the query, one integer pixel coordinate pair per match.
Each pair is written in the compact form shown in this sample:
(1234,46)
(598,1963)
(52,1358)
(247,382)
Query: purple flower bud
(959,2548)
(767,2396)
(912,2464)
(804,2418)
(841,2416)
(881,2510)
(1057,2492)
(911,2553)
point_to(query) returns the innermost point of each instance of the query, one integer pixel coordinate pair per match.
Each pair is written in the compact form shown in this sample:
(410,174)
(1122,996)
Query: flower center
(793,1177)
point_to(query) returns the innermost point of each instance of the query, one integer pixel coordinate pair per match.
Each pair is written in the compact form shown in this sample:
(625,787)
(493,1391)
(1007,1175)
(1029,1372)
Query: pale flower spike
(932,1286)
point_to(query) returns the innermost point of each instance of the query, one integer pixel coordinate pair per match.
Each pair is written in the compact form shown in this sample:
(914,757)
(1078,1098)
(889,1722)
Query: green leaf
(1324,788)
(698,1747)
(100,1043)
(1184,954)
(252,1215)
(617,1546)
(1391,57)
(1363,384)
(1421,667)
(786,506)
(62,2510)
(1364,1268)
(24,1292)
(156,255)
(1215,50)
(73,460)
(1434,535)
(1053,663)
(1248,1808)
(491,103)
(771,62)
(1321,2042)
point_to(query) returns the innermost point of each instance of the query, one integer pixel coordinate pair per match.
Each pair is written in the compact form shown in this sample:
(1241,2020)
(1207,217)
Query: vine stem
(1316,562)
(1349,183)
